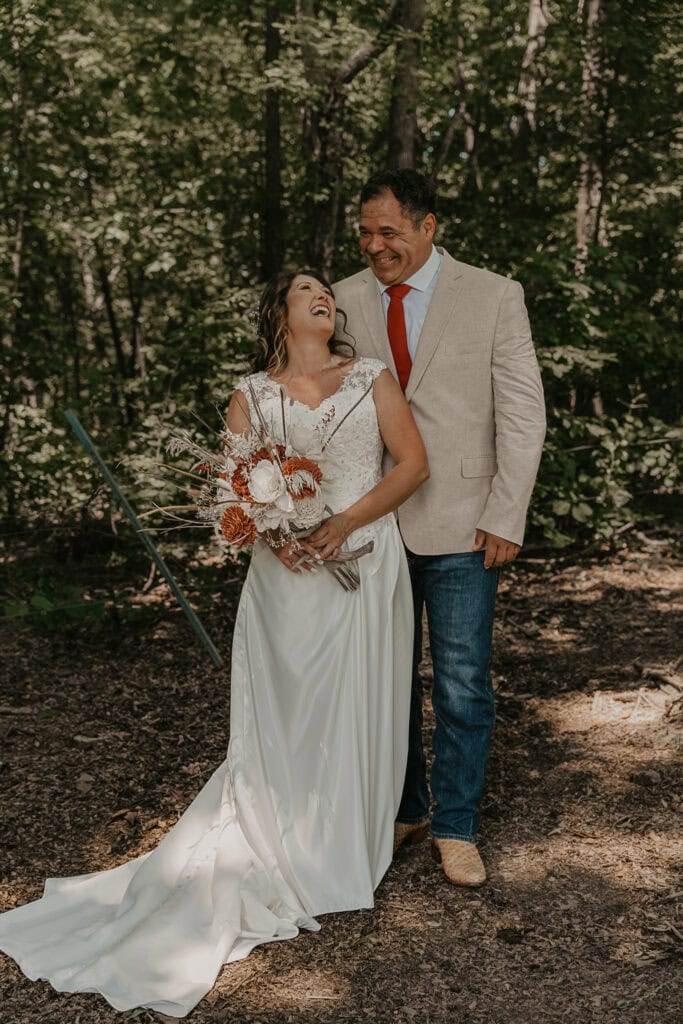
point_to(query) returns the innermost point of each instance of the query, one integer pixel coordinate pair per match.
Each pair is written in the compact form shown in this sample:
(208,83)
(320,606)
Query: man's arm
(519,411)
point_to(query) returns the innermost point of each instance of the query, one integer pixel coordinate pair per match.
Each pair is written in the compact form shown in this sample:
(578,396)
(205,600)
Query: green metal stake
(204,637)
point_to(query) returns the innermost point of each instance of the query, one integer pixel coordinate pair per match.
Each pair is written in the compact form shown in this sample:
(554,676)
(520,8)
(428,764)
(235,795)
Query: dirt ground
(107,734)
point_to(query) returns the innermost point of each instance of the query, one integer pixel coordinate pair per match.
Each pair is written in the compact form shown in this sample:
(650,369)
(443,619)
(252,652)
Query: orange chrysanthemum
(297,464)
(237,527)
(259,455)
(240,484)
(262,453)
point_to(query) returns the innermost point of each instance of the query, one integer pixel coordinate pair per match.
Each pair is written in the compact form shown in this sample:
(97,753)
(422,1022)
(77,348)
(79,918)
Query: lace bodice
(341,434)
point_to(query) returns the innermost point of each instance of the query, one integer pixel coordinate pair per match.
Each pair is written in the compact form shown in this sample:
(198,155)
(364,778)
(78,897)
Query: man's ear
(429,225)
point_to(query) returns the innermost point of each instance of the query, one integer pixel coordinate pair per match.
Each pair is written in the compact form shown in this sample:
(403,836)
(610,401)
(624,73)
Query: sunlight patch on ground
(624,708)
(604,853)
(322,990)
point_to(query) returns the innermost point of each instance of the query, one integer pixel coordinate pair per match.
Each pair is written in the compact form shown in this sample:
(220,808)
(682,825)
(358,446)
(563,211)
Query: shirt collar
(422,278)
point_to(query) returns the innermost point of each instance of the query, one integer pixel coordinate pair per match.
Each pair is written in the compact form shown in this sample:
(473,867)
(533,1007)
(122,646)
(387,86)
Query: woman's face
(311,308)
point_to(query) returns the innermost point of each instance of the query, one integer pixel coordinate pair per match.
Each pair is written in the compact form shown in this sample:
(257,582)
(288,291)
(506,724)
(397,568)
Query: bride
(298,820)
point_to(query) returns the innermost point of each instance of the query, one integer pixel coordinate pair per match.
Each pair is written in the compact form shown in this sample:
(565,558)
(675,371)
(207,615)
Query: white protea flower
(301,482)
(309,510)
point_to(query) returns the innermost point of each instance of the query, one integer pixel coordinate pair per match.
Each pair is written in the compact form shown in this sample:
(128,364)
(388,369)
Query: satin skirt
(295,823)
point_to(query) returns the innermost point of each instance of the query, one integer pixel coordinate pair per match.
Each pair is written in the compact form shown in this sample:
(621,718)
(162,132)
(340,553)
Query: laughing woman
(298,820)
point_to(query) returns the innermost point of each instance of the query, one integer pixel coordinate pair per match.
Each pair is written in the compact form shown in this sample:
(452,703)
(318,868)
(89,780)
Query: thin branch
(368,51)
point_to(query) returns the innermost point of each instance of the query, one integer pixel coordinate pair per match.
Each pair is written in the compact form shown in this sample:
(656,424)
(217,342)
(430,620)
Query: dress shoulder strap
(257,384)
(366,371)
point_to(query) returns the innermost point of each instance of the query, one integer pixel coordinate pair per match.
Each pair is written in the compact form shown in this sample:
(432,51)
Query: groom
(458,340)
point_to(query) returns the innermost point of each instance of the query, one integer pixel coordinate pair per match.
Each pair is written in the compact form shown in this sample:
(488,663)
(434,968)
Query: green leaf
(582,512)
(15,610)
(561,507)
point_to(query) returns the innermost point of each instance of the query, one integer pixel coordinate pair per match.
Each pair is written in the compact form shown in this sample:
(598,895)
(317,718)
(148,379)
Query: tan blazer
(476,395)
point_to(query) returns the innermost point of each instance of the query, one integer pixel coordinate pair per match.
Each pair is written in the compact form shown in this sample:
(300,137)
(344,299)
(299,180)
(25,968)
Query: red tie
(396,329)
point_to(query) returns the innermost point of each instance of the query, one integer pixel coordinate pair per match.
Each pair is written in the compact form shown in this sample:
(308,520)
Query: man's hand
(498,551)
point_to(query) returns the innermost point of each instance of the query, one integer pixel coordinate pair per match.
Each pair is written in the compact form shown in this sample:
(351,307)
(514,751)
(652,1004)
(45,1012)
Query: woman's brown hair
(271,354)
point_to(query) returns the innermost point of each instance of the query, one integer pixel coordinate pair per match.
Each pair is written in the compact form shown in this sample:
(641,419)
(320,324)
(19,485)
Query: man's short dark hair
(415,193)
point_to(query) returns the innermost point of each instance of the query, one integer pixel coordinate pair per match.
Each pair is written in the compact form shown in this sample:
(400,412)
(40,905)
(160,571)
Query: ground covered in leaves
(110,726)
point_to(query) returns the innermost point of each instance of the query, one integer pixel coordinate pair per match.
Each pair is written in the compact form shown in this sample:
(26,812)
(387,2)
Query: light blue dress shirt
(416,302)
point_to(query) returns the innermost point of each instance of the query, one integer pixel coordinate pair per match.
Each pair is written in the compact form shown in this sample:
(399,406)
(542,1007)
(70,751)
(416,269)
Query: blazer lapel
(439,316)
(371,305)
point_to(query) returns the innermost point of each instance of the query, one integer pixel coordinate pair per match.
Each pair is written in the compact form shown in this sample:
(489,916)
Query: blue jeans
(460,597)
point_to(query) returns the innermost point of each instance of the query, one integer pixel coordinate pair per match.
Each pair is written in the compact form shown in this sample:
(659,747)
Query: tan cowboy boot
(460,861)
(413,833)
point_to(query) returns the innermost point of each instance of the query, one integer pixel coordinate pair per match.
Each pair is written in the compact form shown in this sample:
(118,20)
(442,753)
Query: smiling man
(457,338)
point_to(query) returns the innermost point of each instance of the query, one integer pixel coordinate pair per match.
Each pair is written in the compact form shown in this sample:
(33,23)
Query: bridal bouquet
(255,488)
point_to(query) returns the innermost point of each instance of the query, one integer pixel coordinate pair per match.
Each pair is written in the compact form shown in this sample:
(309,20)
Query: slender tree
(323,124)
(272,215)
(592,167)
(405,86)
(524,124)
(461,119)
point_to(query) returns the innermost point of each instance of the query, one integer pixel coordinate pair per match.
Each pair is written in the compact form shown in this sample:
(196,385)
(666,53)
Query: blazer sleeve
(519,411)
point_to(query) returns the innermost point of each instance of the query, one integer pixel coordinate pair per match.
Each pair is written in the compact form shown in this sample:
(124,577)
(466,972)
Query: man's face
(392,243)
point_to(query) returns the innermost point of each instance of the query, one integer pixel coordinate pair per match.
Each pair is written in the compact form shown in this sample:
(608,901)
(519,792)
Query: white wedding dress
(298,820)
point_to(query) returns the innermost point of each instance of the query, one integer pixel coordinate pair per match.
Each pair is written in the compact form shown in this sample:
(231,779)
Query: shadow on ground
(106,741)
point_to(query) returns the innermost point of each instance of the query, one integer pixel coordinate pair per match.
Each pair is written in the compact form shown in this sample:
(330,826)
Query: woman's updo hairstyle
(271,354)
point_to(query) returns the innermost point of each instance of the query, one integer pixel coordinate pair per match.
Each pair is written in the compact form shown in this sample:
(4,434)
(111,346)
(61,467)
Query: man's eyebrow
(382,227)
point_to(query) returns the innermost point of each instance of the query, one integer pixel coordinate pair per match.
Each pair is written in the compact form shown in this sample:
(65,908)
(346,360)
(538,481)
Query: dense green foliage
(136,225)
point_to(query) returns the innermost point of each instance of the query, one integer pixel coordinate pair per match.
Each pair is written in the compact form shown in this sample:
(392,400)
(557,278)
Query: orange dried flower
(240,484)
(298,464)
(259,455)
(263,453)
(237,527)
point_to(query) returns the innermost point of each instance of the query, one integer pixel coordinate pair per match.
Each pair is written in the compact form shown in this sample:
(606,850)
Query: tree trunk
(11,341)
(92,300)
(137,352)
(65,289)
(331,141)
(461,119)
(115,330)
(272,219)
(592,167)
(405,87)
(323,130)
(527,88)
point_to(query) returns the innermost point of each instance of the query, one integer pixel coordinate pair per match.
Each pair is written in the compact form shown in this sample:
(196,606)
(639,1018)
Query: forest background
(159,161)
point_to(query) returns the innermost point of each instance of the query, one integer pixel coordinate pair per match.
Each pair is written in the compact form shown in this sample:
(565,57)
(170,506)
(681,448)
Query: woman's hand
(297,556)
(329,537)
